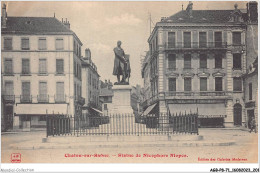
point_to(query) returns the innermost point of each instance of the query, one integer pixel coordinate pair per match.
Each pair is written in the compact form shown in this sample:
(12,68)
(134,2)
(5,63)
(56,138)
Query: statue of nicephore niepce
(121,65)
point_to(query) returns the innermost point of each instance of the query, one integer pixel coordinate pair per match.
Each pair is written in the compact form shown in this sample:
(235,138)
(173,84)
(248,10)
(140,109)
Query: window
(172,61)
(8,66)
(25,66)
(42,44)
(59,44)
(187,61)
(60,92)
(42,92)
(25,44)
(237,84)
(26,92)
(9,88)
(203,84)
(218,39)
(218,84)
(236,38)
(236,61)
(250,89)
(42,118)
(218,61)
(59,66)
(202,39)
(171,39)
(187,39)
(75,68)
(42,66)
(172,84)
(203,61)
(187,84)
(105,106)
(8,44)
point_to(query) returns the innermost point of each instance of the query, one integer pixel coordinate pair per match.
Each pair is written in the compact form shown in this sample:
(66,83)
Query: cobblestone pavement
(244,149)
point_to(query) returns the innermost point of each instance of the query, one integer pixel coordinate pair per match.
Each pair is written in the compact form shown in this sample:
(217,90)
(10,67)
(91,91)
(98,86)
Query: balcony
(43,98)
(195,45)
(198,95)
(26,98)
(80,100)
(60,98)
(9,98)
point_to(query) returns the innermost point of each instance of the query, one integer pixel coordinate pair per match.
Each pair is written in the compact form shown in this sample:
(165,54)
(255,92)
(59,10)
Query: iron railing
(43,98)
(122,125)
(178,45)
(9,98)
(60,98)
(26,98)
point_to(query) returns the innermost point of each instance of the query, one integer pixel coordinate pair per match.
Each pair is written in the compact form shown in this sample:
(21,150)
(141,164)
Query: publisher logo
(15,158)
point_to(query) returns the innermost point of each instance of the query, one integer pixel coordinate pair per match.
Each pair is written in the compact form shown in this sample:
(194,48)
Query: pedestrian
(252,125)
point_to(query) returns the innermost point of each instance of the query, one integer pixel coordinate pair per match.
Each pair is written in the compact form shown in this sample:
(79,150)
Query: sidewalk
(207,137)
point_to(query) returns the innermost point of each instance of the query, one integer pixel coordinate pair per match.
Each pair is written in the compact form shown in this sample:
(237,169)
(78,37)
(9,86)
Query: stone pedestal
(121,100)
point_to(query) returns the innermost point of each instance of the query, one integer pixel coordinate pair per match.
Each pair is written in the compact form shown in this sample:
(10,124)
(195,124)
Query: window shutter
(60,66)
(42,66)
(203,84)
(218,61)
(202,39)
(218,84)
(8,66)
(25,44)
(187,61)
(60,91)
(237,61)
(172,84)
(25,66)
(171,61)
(26,89)
(59,44)
(42,44)
(236,38)
(218,39)
(187,39)
(171,39)
(203,61)
(9,88)
(237,84)
(187,84)
(8,44)
(250,91)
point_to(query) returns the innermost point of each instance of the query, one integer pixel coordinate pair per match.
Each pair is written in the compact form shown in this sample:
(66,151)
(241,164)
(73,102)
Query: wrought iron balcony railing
(26,98)
(43,98)
(60,98)
(180,45)
(9,98)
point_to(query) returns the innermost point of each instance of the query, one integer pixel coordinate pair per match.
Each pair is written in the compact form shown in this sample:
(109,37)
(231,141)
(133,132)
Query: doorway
(237,114)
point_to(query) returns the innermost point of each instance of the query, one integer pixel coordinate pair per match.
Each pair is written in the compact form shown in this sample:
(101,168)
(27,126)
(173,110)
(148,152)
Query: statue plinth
(121,100)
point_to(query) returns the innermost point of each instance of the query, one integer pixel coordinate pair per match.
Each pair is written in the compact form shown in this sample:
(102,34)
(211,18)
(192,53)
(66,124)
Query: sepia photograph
(129,82)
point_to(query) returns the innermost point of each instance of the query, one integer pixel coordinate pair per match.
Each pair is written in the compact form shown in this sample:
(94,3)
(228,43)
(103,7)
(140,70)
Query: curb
(123,145)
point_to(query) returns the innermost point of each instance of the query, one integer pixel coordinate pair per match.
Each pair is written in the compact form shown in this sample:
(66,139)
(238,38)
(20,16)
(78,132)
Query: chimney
(189,9)
(252,11)
(66,23)
(4,16)
(87,54)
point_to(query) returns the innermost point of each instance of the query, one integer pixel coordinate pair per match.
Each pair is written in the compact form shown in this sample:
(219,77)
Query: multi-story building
(90,84)
(41,69)
(197,60)
(251,77)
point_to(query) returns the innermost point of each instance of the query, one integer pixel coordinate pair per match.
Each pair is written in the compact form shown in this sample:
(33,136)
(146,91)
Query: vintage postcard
(130,82)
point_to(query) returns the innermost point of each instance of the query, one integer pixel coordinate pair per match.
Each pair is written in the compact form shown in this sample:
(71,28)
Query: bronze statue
(121,65)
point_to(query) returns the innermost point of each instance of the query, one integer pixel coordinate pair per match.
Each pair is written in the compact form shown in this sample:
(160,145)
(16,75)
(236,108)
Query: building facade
(39,56)
(90,84)
(197,62)
(105,96)
(251,77)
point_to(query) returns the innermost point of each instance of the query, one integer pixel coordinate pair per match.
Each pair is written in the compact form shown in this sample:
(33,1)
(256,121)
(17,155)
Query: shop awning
(148,110)
(96,110)
(204,110)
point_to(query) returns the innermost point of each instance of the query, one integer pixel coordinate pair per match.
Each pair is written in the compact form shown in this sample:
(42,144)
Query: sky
(99,25)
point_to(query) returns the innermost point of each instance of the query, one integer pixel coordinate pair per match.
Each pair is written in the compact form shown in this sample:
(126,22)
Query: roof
(106,92)
(36,25)
(201,16)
